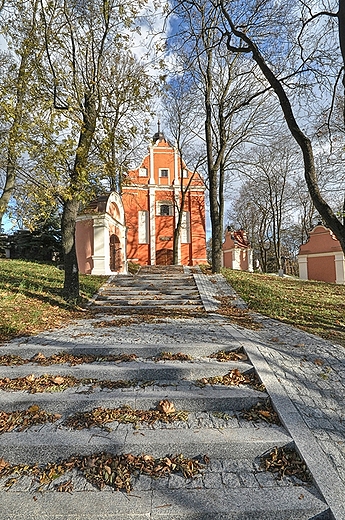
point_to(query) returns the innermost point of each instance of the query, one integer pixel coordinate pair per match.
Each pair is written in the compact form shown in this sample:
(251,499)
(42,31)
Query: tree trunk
(176,242)
(68,222)
(215,223)
(7,190)
(71,206)
(212,173)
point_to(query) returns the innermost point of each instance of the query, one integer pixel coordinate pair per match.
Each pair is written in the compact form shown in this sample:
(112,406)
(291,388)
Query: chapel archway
(115,253)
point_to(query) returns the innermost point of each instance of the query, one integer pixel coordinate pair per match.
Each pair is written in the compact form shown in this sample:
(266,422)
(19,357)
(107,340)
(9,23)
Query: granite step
(184,396)
(234,443)
(85,344)
(158,301)
(297,503)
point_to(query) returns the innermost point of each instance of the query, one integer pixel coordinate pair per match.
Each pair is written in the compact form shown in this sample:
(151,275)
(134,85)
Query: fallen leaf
(166,406)
(34,408)
(169,356)
(65,487)
(265,413)
(59,380)
(261,411)
(38,357)
(3,464)
(229,355)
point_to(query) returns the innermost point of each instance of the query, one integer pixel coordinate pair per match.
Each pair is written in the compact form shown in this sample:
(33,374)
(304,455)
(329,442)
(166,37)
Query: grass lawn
(30,297)
(316,307)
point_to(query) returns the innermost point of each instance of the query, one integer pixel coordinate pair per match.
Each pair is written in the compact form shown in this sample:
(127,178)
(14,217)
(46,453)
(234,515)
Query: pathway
(161,310)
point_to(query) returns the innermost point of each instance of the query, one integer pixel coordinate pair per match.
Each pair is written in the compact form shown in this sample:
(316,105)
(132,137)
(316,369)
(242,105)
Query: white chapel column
(303,267)
(339,268)
(101,256)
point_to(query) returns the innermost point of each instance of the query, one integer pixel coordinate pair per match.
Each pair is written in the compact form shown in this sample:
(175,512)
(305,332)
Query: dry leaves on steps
(99,417)
(23,419)
(103,469)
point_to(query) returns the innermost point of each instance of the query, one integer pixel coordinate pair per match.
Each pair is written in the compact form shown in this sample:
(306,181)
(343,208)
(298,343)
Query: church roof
(97,205)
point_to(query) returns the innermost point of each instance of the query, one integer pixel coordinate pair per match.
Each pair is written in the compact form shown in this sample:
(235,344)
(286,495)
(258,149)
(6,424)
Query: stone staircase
(232,485)
(167,287)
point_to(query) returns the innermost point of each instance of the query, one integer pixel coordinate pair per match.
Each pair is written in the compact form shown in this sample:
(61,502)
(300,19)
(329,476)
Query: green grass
(31,297)
(316,307)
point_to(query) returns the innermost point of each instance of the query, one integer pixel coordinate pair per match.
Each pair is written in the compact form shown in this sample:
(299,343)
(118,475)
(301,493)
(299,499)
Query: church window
(164,209)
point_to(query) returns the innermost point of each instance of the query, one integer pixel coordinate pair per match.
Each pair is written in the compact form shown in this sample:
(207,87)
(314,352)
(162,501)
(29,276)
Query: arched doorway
(115,253)
(164,257)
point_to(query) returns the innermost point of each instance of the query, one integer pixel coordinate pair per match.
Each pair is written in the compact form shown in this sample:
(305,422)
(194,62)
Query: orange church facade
(141,227)
(151,198)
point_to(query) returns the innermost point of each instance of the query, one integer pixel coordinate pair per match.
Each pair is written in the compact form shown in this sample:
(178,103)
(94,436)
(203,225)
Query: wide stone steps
(156,288)
(86,344)
(211,503)
(235,443)
(233,484)
(134,370)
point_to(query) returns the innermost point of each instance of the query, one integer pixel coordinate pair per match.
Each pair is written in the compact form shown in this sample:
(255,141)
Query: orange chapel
(139,225)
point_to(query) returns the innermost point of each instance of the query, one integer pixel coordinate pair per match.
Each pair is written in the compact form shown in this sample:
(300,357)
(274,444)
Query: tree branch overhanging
(303,141)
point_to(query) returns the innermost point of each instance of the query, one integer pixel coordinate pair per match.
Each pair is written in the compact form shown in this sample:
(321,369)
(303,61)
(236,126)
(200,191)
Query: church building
(139,225)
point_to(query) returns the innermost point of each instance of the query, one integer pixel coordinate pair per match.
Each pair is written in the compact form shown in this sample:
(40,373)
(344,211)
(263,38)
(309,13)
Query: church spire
(159,135)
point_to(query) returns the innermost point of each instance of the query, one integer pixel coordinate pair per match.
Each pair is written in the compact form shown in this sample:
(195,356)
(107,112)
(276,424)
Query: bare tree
(181,116)
(240,40)
(269,169)
(268,202)
(224,92)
